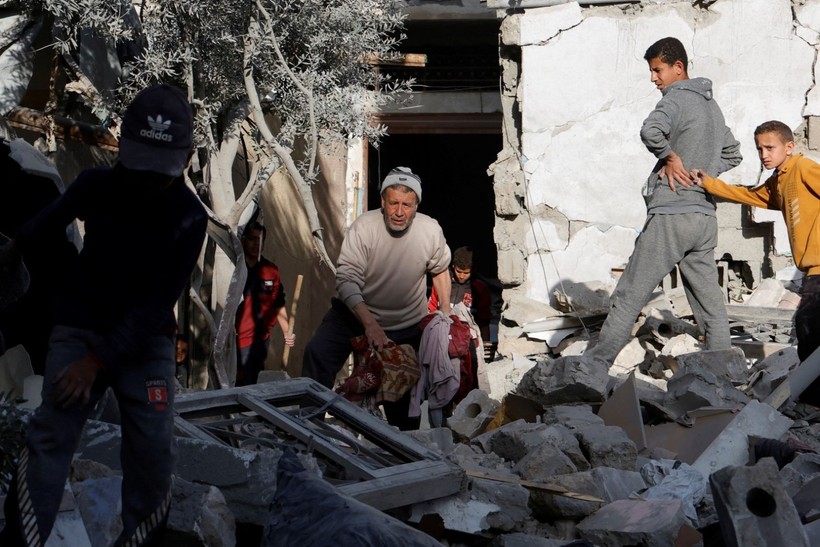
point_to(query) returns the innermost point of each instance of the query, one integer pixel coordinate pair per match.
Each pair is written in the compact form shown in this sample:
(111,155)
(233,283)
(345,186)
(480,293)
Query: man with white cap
(381,284)
(115,327)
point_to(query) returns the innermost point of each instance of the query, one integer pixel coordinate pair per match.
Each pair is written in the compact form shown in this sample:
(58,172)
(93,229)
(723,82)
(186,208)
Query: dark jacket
(141,243)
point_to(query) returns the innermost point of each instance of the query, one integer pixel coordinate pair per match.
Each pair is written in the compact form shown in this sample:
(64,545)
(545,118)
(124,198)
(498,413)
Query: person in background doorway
(685,130)
(381,284)
(467,289)
(263,306)
(115,325)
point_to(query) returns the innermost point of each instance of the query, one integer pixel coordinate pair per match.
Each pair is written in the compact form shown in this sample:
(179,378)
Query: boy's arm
(757,197)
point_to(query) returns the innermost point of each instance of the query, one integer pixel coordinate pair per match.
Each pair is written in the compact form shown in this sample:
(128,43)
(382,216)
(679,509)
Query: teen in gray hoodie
(685,130)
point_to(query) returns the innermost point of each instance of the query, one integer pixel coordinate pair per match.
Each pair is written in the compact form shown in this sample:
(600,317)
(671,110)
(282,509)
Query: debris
(754,508)
(652,523)
(564,380)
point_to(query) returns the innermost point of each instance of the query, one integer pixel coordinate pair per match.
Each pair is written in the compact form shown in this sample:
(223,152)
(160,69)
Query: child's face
(663,74)
(771,149)
(462,274)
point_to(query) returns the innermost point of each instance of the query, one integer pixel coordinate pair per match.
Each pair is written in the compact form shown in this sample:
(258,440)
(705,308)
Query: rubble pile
(672,446)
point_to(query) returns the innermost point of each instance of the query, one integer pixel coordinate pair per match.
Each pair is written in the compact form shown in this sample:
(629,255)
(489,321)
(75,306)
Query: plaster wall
(575,91)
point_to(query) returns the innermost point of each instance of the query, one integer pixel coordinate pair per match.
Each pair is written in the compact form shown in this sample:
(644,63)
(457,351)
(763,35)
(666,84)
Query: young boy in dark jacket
(115,327)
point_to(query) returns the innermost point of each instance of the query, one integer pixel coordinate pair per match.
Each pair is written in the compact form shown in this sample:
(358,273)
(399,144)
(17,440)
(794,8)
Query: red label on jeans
(157,392)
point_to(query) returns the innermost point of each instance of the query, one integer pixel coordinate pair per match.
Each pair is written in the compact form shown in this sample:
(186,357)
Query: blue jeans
(144,387)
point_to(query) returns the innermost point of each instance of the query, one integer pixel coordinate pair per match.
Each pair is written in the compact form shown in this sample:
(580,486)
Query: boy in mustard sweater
(794,189)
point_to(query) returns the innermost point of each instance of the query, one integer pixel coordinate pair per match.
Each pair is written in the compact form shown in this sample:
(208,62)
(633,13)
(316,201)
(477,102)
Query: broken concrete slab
(650,523)
(607,446)
(731,447)
(200,515)
(520,539)
(504,375)
(439,439)
(571,416)
(623,410)
(699,388)
(548,507)
(767,373)
(799,380)
(488,504)
(803,468)
(617,484)
(516,441)
(754,508)
(544,462)
(100,505)
(807,500)
(767,294)
(728,363)
(471,459)
(565,380)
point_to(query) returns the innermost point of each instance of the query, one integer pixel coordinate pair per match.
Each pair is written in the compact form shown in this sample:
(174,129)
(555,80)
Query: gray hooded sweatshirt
(687,120)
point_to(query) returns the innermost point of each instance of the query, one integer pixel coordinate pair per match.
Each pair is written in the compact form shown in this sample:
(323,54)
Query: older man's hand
(73,383)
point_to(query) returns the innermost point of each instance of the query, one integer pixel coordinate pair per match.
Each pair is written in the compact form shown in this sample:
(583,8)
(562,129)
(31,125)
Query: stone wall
(575,90)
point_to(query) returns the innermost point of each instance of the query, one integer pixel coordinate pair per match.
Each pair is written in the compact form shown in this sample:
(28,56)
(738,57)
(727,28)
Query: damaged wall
(575,90)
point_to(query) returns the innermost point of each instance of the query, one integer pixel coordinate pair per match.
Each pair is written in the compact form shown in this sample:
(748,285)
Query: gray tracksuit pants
(144,387)
(687,239)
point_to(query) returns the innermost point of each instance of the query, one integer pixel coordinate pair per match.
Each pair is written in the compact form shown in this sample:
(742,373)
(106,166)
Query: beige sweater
(387,272)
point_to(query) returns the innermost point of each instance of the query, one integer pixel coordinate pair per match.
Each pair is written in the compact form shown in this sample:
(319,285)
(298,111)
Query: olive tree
(269,80)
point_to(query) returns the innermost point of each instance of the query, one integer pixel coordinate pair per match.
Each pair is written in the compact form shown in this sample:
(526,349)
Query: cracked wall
(575,90)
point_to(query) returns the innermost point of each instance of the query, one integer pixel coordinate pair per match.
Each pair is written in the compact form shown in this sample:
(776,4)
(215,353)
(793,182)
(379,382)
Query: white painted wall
(584,89)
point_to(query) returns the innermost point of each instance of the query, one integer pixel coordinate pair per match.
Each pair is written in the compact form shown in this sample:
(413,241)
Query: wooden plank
(547,487)
(437,480)
(319,443)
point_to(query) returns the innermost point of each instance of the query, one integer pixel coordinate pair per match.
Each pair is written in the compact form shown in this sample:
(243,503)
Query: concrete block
(731,447)
(487,505)
(565,380)
(514,440)
(548,507)
(771,371)
(802,469)
(807,500)
(243,476)
(502,377)
(650,523)
(439,439)
(571,416)
(607,446)
(200,516)
(617,484)
(470,458)
(472,414)
(688,391)
(728,363)
(754,508)
(632,355)
(520,539)
(99,503)
(680,344)
(767,294)
(544,462)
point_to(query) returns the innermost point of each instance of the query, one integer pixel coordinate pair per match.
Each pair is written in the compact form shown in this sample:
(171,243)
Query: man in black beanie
(115,327)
